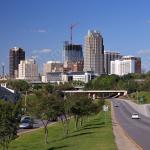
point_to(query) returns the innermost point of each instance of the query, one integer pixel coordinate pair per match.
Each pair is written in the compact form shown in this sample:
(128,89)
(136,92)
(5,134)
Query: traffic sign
(105,107)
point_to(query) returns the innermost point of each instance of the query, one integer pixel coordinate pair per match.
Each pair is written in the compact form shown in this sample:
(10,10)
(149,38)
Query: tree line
(129,82)
(48,103)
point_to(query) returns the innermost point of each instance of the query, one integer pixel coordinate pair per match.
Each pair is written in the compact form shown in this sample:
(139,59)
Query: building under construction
(15,56)
(73,56)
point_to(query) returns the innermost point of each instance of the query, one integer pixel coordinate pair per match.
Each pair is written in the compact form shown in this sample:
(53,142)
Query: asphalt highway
(137,129)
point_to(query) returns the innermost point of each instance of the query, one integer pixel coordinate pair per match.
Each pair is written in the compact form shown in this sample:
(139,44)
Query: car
(135,116)
(26,124)
(26,117)
(116,105)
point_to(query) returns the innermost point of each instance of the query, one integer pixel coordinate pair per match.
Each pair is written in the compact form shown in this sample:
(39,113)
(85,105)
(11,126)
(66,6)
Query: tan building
(78,66)
(28,70)
(53,66)
(74,66)
(94,52)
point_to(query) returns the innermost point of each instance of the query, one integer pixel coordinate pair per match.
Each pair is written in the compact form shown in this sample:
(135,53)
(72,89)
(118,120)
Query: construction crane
(3,70)
(71,28)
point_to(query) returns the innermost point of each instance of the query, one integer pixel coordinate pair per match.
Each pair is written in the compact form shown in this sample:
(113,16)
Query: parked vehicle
(26,117)
(26,122)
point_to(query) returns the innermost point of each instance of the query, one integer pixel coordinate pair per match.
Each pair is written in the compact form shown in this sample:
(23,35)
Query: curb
(125,133)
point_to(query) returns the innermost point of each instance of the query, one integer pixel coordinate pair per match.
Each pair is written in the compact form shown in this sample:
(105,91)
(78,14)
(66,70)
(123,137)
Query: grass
(144,94)
(94,135)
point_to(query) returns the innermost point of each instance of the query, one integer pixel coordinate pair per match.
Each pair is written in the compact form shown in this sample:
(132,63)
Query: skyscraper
(15,56)
(72,55)
(108,57)
(94,52)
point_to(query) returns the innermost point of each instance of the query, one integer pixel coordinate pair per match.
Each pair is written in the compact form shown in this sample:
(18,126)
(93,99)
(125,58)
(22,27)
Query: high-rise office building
(73,55)
(15,56)
(108,57)
(94,53)
(28,70)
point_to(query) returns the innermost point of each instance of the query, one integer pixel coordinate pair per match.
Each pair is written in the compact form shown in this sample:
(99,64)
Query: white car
(135,116)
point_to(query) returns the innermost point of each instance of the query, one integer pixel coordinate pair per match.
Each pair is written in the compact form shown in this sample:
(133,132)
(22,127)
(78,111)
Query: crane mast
(71,29)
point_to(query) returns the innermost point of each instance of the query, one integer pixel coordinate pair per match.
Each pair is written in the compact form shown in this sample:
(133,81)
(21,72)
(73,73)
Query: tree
(46,108)
(105,82)
(18,85)
(9,121)
(82,107)
(65,111)
(64,86)
(49,88)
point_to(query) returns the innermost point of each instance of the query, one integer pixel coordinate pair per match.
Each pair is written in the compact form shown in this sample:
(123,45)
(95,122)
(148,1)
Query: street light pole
(137,97)
(25,101)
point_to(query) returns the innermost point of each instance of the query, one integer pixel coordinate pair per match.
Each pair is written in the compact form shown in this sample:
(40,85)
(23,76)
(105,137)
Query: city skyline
(41,27)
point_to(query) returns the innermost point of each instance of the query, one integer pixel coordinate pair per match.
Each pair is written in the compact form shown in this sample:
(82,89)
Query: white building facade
(28,70)
(123,66)
(108,57)
(57,77)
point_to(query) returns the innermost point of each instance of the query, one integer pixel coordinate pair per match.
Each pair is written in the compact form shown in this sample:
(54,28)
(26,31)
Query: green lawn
(94,135)
(144,94)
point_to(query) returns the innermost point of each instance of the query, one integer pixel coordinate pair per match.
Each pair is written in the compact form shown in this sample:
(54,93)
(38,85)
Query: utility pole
(137,97)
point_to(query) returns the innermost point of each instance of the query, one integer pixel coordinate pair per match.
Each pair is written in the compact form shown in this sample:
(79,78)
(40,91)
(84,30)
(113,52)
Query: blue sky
(41,26)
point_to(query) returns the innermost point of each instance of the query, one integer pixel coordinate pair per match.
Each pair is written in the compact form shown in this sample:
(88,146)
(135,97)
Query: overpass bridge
(96,92)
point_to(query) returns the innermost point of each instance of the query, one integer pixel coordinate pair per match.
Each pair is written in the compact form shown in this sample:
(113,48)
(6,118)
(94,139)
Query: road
(37,124)
(137,129)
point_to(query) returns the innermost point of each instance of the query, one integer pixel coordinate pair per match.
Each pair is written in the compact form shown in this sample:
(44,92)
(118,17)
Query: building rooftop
(15,48)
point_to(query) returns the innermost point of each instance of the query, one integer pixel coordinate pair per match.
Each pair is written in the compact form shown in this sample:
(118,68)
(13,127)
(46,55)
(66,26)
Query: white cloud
(40,30)
(46,50)
(144,52)
(43,51)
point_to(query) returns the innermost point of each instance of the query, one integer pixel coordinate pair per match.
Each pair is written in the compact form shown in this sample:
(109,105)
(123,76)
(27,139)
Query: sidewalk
(123,141)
